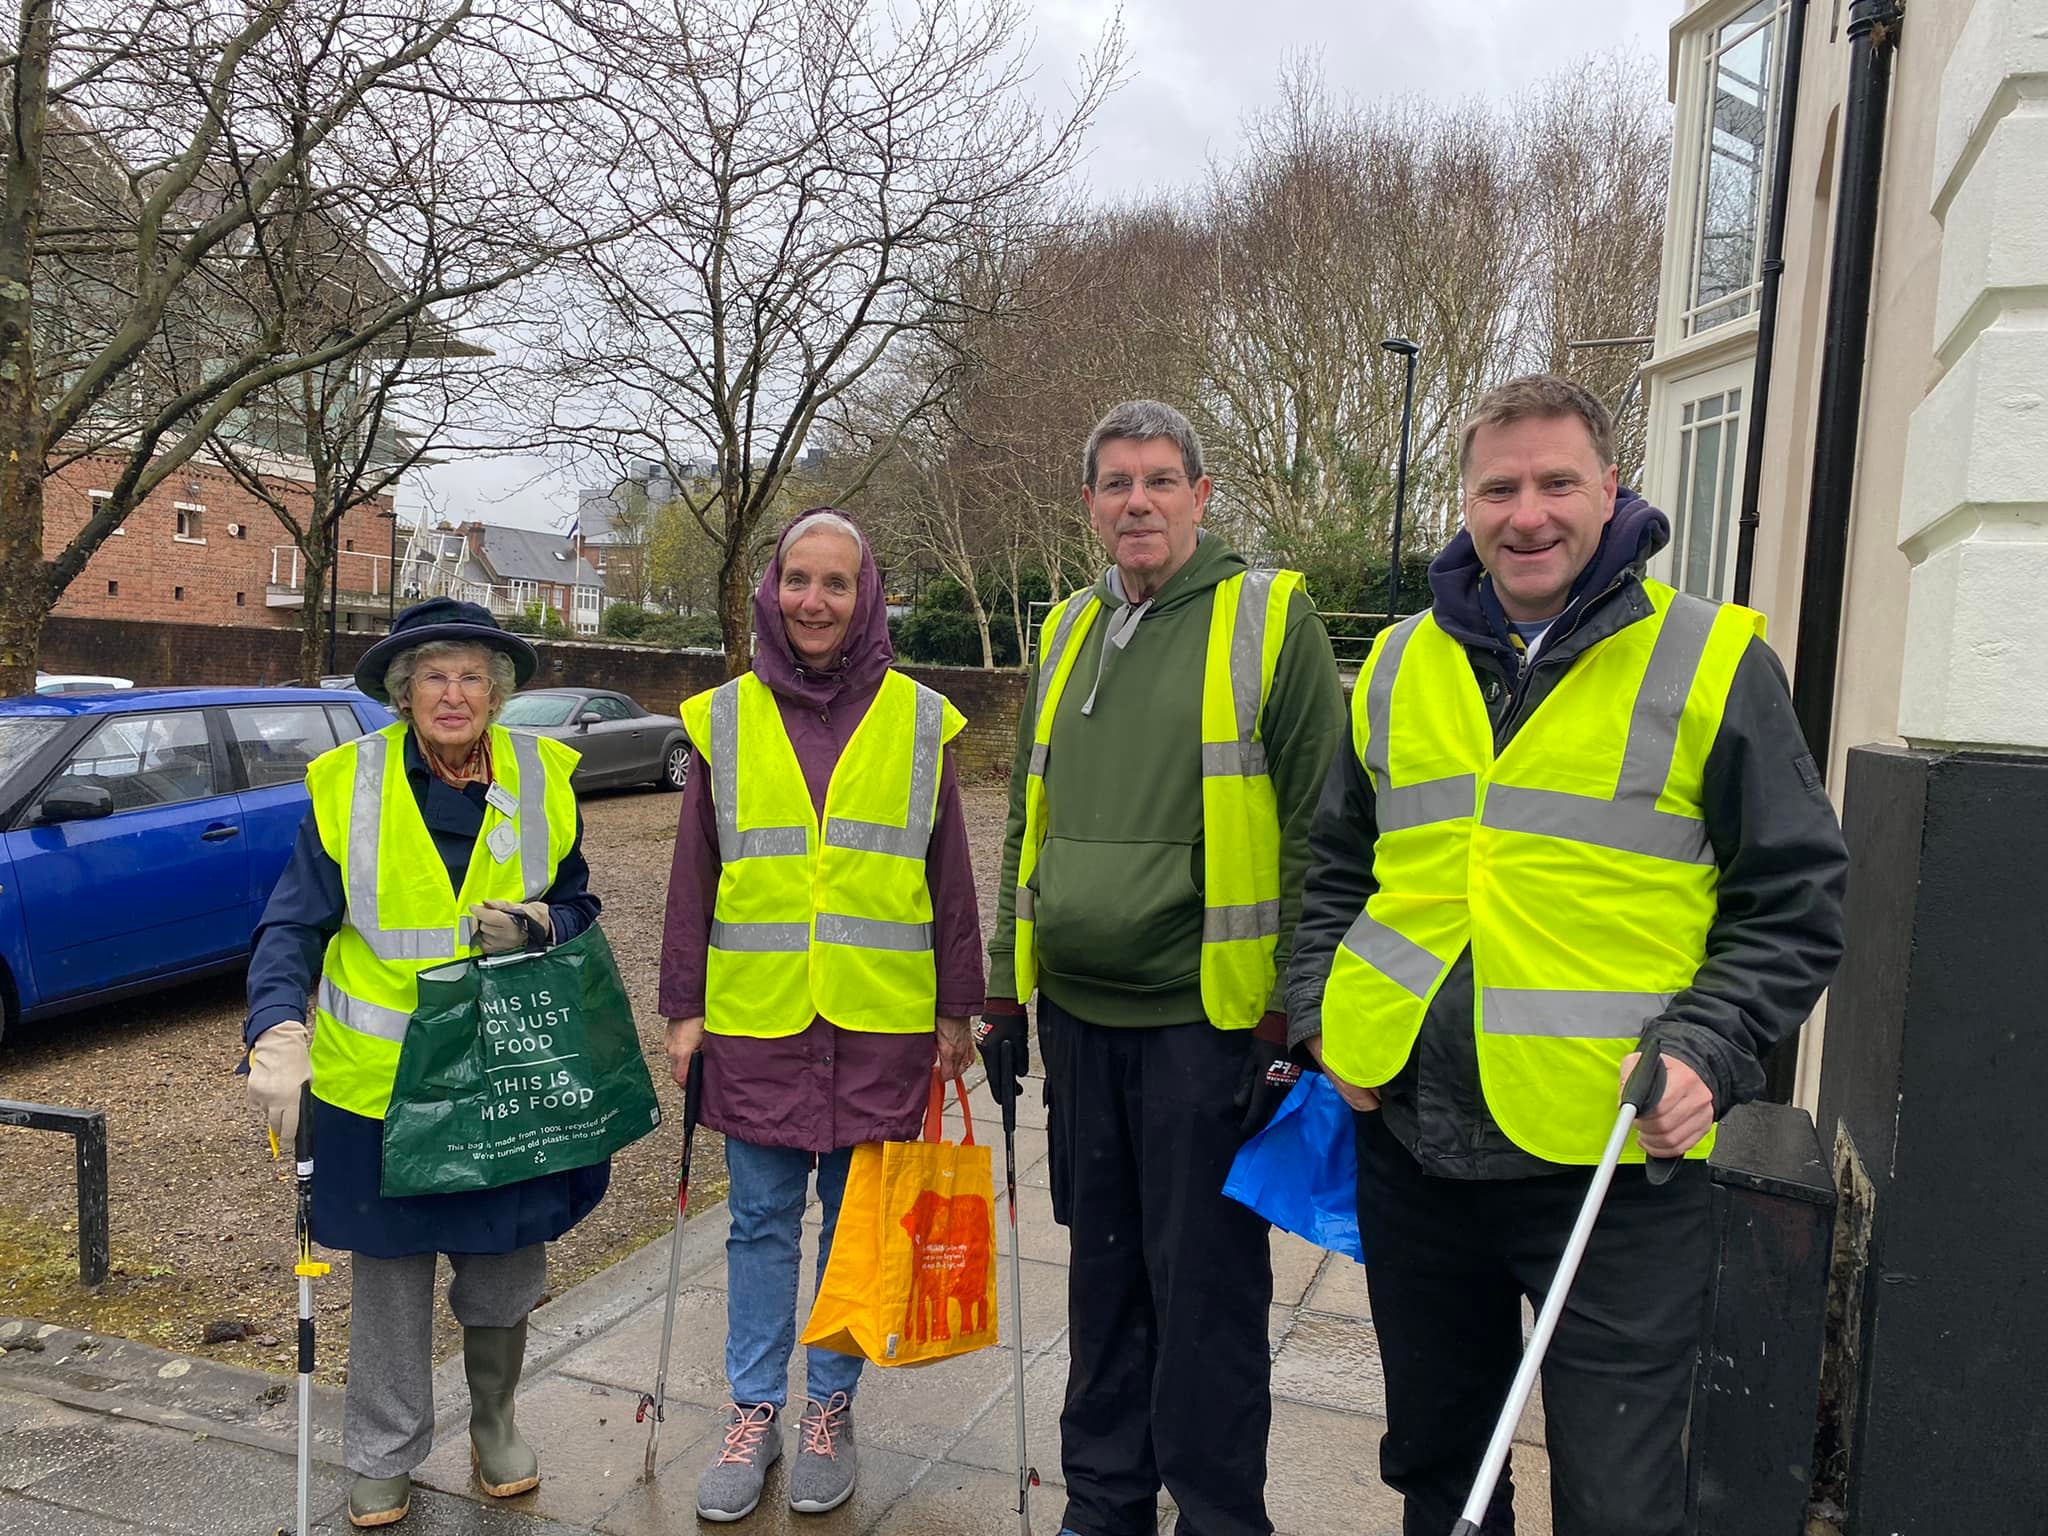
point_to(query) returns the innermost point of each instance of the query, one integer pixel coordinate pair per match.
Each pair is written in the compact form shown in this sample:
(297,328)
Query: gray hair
(811,522)
(398,676)
(1137,420)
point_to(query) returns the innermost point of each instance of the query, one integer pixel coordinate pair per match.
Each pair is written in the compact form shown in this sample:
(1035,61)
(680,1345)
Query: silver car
(621,743)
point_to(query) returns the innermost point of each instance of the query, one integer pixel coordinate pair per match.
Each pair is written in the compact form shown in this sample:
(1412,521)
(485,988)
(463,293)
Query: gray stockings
(388,1409)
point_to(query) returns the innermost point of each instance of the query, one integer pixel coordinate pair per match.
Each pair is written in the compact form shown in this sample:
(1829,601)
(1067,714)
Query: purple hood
(865,656)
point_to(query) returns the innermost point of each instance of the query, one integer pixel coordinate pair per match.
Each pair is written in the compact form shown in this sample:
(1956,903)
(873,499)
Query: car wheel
(675,765)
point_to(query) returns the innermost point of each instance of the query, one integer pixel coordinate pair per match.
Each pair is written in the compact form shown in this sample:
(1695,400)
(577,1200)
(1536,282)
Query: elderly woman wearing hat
(432,839)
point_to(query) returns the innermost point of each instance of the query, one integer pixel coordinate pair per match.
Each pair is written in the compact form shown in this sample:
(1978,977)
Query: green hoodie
(1119,880)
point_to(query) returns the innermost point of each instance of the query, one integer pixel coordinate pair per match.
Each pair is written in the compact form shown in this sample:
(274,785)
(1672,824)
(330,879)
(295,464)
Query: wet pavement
(99,1436)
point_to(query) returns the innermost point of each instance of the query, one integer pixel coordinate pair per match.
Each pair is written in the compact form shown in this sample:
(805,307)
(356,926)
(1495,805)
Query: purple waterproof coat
(827,1087)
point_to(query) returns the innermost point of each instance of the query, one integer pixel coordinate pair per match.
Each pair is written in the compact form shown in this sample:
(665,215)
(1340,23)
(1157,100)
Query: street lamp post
(1407,349)
(391,572)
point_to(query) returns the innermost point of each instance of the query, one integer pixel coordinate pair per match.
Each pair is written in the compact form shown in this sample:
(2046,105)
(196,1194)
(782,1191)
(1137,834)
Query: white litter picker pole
(1639,1097)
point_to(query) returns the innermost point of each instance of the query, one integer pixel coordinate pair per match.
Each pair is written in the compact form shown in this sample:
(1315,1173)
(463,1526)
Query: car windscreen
(21,738)
(537,709)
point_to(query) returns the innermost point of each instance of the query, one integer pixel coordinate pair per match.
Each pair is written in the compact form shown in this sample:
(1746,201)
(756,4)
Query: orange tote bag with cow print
(912,1277)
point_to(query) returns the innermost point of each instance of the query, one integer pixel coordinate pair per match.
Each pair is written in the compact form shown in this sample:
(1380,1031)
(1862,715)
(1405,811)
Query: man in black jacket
(1730,859)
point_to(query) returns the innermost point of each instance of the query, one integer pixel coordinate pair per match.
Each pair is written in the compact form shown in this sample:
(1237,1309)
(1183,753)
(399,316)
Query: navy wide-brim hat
(442,619)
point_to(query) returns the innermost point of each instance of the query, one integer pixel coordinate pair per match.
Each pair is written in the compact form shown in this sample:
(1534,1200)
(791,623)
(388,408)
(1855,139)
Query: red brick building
(201,550)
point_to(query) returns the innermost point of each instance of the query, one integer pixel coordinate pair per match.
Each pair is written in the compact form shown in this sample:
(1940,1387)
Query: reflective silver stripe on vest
(1571,1015)
(1233,759)
(873,933)
(1630,826)
(1254,920)
(1248,649)
(1027,904)
(365,1018)
(1420,805)
(761,938)
(1049,663)
(365,837)
(1380,696)
(1394,955)
(911,840)
(755,842)
(533,834)
(1660,702)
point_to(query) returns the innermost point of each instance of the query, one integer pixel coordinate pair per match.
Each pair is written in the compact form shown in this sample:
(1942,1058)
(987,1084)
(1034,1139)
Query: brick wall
(165,653)
(147,572)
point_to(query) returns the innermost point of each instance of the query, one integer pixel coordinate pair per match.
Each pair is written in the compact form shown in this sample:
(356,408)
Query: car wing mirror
(75,800)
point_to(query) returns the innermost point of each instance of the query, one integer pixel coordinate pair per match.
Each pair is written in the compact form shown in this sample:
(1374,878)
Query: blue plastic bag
(1301,1171)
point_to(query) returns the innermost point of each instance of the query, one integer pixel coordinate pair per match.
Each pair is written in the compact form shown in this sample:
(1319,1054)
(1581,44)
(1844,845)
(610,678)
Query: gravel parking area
(202,1219)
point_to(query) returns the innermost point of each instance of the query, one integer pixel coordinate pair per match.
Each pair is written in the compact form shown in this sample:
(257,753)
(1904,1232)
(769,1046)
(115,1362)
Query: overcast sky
(1198,66)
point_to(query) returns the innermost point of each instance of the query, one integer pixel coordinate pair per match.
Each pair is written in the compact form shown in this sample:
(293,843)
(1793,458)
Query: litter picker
(653,1405)
(1638,1097)
(308,1270)
(1027,1475)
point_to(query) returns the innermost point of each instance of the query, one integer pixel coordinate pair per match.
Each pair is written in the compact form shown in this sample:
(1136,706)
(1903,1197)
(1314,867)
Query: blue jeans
(762,1255)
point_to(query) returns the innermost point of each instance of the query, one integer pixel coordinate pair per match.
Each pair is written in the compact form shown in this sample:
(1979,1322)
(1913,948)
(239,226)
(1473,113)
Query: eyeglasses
(440,682)
(1118,487)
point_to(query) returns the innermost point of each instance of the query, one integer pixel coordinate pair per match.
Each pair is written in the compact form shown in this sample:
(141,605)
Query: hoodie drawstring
(1122,625)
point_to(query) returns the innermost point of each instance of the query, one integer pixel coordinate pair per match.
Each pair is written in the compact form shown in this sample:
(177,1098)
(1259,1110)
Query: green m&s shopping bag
(514,1066)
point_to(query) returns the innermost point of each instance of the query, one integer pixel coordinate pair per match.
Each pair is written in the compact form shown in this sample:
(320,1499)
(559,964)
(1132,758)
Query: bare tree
(177,174)
(818,165)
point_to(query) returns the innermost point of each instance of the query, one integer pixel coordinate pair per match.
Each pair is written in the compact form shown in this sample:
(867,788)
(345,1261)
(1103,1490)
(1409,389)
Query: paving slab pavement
(102,1437)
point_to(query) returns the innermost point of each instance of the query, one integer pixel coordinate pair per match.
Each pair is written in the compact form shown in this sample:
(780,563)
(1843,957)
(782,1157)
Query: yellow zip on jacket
(1240,816)
(828,918)
(1574,863)
(403,915)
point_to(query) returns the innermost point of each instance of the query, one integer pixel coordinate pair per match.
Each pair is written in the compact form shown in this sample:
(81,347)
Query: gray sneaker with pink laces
(731,1485)
(826,1461)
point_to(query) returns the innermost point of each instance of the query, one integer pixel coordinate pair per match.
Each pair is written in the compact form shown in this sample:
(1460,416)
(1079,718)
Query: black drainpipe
(1873,35)
(1767,297)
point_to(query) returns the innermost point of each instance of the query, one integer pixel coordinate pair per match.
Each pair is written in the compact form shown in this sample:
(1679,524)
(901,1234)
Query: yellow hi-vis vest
(832,920)
(1240,816)
(403,915)
(1575,863)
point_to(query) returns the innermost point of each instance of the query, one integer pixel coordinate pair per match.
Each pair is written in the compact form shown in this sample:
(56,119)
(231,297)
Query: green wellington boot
(491,1358)
(379,1500)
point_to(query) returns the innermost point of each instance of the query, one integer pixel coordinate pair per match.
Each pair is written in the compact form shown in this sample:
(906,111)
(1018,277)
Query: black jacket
(1773,946)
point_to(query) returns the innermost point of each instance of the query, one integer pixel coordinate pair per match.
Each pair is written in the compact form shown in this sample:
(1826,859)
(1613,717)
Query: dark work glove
(1269,1074)
(990,1036)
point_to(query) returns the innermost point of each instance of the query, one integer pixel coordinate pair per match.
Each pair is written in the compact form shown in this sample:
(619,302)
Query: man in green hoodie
(1180,718)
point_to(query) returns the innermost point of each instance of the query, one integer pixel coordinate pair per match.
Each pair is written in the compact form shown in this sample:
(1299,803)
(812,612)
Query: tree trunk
(24,583)
(988,650)
(736,611)
(313,625)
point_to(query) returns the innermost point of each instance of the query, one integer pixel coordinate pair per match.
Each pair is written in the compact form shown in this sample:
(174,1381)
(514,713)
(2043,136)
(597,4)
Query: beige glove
(498,931)
(279,1063)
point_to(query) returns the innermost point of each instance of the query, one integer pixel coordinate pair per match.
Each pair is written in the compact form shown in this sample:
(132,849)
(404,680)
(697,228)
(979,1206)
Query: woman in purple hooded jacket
(791,1086)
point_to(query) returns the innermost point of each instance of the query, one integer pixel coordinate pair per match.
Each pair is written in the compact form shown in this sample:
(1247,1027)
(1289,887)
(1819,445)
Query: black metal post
(88,1128)
(1793,50)
(391,575)
(1407,349)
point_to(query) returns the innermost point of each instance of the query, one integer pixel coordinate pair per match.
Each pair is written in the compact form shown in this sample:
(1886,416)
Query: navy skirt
(349,1213)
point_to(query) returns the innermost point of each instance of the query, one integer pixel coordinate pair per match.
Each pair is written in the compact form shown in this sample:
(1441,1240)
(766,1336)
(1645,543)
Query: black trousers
(1170,1376)
(1448,1262)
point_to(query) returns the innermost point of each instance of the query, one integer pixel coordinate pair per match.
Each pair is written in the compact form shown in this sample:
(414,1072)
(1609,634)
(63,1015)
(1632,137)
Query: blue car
(144,829)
